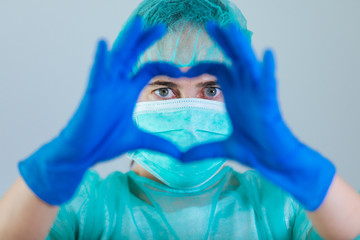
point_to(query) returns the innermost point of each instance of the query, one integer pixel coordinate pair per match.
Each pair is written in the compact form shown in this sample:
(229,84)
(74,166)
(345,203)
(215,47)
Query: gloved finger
(241,155)
(128,37)
(237,47)
(268,82)
(219,70)
(240,75)
(98,67)
(222,149)
(149,37)
(243,50)
(146,39)
(156,143)
(153,69)
(205,151)
(219,36)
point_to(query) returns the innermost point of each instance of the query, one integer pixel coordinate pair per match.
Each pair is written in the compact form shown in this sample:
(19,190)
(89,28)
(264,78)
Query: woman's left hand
(260,137)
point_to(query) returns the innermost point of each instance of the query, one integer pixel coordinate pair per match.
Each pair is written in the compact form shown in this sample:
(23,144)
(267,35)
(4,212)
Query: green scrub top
(231,205)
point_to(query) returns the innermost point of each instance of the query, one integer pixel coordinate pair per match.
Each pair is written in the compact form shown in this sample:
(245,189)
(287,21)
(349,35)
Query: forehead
(182,82)
(184,45)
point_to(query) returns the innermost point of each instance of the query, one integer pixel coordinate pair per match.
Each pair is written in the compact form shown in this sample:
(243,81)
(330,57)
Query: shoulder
(95,191)
(86,214)
(265,195)
(251,179)
(277,209)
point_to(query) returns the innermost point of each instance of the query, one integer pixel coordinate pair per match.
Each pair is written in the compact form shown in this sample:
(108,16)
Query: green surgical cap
(186,41)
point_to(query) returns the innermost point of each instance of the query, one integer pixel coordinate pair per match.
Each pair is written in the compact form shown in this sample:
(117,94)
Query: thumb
(205,151)
(159,144)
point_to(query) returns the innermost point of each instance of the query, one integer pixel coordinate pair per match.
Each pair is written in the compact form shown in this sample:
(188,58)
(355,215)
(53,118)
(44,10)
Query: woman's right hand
(102,126)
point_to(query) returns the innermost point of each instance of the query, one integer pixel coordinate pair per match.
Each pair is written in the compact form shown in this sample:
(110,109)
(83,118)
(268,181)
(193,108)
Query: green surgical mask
(186,122)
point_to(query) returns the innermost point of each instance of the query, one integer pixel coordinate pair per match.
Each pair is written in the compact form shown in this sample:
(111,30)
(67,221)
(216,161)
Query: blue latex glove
(102,126)
(260,137)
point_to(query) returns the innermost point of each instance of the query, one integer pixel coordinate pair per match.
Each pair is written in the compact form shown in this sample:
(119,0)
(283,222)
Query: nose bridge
(189,92)
(188,88)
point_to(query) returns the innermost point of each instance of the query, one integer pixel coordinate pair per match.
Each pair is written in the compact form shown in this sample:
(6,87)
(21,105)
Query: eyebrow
(208,84)
(174,85)
(163,83)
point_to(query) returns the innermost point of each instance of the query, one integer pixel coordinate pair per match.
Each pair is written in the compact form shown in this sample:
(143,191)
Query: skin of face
(164,88)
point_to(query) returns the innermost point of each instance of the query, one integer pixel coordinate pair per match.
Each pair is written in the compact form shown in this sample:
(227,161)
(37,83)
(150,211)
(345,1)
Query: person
(180,91)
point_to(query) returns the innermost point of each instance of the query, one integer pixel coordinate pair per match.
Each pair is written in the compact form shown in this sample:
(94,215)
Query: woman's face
(164,88)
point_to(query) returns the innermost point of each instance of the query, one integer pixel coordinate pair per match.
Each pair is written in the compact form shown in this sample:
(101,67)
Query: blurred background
(47,47)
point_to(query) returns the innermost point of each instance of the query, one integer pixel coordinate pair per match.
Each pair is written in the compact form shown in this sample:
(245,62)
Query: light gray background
(46,50)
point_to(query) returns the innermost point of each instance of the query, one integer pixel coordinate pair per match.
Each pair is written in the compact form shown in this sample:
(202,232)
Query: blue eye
(212,92)
(164,92)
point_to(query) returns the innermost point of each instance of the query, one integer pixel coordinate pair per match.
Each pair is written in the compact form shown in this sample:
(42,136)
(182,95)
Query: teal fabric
(186,41)
(232,206)
(186,122)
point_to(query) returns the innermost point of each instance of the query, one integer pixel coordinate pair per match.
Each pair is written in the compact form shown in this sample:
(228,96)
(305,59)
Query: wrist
(302,172)
(51,173)
(312,175)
